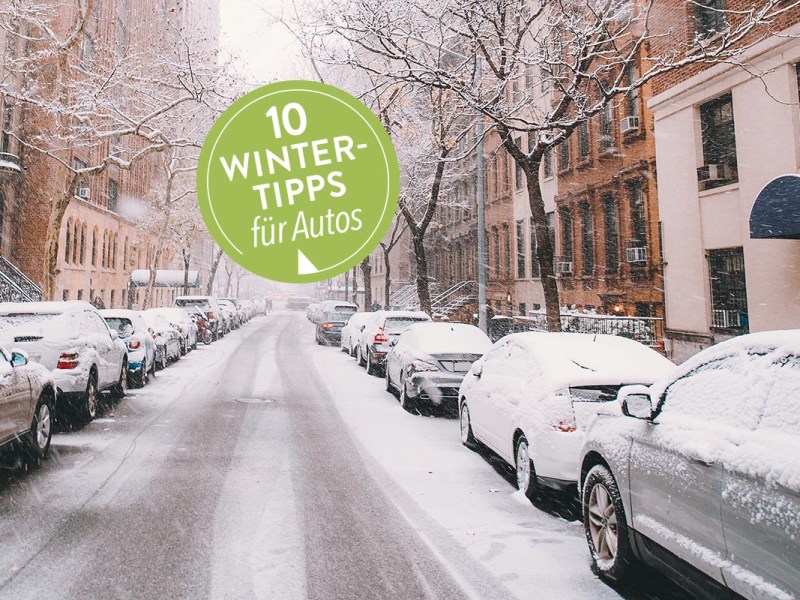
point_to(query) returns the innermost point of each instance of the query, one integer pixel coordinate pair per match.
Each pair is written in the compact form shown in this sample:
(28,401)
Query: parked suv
(27,405)
(208,307)
(375,336)
(701,477)
(73,341)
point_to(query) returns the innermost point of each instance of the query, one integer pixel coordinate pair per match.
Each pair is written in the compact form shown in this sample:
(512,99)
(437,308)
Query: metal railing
(16,283)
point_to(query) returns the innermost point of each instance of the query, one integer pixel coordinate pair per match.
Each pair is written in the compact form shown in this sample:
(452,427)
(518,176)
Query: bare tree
(543,68)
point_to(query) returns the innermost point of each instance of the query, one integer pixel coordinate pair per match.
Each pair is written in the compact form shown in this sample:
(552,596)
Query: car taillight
(327,325)
(134,344)
(420,365)
(567,424)
(210,316)
(67,360)
(380,338)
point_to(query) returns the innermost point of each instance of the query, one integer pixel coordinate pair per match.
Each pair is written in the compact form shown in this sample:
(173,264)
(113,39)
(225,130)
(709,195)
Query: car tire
(352,352)
(525,471)
(408,403)
(87,405)
(360,357)
(371,367)
(389,387)
(121,387)
(467,437)
(37,441)
(162,364)
(605,525)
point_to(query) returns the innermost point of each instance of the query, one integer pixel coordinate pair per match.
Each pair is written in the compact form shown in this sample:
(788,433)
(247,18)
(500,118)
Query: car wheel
(37,442)
(360,358)
(526,474)
(162,363)
(605,525)
(352,352)
(371,367)
(121,388)
(467,438)
(88,403)
(409,403)
(389,387)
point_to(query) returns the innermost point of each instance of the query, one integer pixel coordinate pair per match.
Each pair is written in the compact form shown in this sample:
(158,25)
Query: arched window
(68,244)
(114,253)
(83,244)
(94,247)
(75,230)
(2,219)
(105,249)
(125,254)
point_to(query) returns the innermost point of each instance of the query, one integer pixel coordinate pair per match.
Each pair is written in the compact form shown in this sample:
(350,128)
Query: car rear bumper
(436,389)
(332,337)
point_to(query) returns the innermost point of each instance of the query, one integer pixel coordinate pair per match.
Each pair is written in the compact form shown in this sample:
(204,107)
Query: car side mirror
(477,368)
(393,341)
(637,405)
(19,358)
(114,334)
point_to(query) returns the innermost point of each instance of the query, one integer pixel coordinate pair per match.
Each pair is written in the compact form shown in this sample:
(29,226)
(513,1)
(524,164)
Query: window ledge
(723,189)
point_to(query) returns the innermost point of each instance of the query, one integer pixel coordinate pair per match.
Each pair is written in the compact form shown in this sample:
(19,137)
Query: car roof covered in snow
(43,308)
(448,338)
(584,358)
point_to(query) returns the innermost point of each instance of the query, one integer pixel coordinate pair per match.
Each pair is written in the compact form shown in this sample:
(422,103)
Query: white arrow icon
(304,266)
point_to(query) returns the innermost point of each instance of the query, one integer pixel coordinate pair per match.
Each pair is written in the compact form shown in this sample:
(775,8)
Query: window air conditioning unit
(629,125)
(713,173)
(83,192)
(564,267)
(637,255)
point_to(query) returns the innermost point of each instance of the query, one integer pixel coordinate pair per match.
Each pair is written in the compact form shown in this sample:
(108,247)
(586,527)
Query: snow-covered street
(264,466)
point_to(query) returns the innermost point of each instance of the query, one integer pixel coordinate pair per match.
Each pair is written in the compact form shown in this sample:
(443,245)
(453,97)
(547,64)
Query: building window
(583,140)
(611,225)
(65,295)
(709,18)
(523,309)
(632,98)
(79,165)
(80,294)
(5,141)
(563,155)
(83,244)
(719,142)
(536,270)
(551,229)
(113,193)
(566,234)
(507,250)
(68,244)
(496,235)
(587,239)
(638,215)
(94,247)
(728,289)
(520,250)
(547,163)
(75,246)
(518,173)
(607,129)
(111,303)
(2,220)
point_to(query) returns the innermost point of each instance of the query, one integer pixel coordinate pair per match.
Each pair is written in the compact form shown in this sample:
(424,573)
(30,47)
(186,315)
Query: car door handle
(699,461)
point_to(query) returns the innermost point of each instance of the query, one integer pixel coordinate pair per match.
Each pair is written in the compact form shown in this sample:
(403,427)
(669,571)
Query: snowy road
(263,466)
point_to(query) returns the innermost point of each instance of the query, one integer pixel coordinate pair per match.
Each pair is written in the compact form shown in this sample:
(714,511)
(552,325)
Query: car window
(95,323)
(118,324)
(727,391)
(782,409)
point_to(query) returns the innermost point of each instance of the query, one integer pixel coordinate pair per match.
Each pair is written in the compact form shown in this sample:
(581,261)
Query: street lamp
(480,184)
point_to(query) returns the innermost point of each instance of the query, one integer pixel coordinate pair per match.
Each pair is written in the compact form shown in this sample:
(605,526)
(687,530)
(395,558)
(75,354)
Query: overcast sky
(265,51)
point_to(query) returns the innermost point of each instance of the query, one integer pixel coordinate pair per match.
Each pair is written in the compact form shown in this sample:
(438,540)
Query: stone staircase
(15,286)
(444,302)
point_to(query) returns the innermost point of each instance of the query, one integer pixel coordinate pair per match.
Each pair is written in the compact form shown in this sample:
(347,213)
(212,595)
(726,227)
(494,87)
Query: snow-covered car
(133,331)
(374,338)
(532,396)
(352,329)
(183,322)
(206,306)
(427,363)
(313,311)
(166,337)
(71,340)
(337,306)
(229,307)
(27,405)
(704,470)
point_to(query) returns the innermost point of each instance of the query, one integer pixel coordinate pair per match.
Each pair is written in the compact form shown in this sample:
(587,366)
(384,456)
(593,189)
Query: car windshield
(337,317)
(202,303)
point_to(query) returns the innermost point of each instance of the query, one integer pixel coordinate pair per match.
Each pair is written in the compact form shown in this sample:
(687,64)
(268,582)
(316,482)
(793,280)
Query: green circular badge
(298,181)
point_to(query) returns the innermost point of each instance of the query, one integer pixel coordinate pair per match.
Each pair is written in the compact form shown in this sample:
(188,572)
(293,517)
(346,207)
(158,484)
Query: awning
(171,278)
(776,212)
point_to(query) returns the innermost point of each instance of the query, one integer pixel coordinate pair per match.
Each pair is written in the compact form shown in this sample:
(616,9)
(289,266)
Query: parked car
(167,337)
(337,306)
(231,312)
(74,343)
(703,470)
(208,307)
(312,311)
(329,329)
(531,397)
(427,363)
(133,331)
(182,320)
(374,338)
(352,329)
(27,405)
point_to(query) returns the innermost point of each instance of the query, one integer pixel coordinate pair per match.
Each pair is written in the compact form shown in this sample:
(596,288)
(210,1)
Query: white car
(352,329)
(132,330)
(427,363)
(182,320)
(27,405)
(531,397)
(373,341)
(74,343)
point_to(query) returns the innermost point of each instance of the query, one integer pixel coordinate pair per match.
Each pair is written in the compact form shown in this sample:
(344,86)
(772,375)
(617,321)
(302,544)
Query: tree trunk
(355,286)
(187,255)
(544,250)
(387,279)
(213,274)
(366,275)
(423,289)
(346,284)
